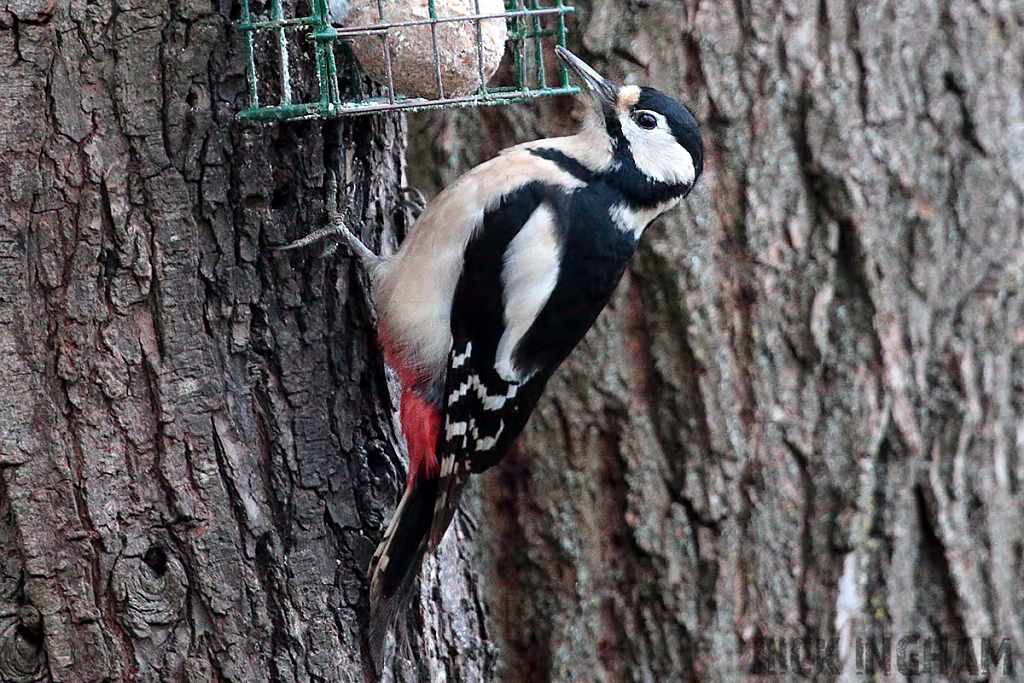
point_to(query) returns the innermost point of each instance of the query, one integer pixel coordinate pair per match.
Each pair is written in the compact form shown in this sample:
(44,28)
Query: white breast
(413,291)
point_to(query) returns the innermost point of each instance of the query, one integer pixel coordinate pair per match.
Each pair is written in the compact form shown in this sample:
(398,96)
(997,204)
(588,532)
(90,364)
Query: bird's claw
(413,200)
(335,231)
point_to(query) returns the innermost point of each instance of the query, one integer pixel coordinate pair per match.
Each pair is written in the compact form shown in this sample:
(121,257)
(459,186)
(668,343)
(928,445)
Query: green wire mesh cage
(303,66)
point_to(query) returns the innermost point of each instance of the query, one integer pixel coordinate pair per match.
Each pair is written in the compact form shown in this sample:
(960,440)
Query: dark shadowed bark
(196,445)
(801,417)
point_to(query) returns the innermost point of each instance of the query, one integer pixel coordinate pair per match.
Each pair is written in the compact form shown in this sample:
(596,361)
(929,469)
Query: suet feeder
(303,66)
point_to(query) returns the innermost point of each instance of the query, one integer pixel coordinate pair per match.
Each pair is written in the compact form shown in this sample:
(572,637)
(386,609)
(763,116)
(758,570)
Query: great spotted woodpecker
(497,281)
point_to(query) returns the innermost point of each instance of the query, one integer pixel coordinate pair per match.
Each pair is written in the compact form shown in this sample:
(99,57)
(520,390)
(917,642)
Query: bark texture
(801,416)
(196,442)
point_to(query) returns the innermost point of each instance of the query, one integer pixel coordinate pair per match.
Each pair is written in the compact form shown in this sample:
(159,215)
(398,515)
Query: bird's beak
(604,92)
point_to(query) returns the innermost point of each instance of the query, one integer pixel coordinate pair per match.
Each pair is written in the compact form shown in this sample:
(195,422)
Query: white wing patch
(468,429)
(657,153)
(490,401)
(454,429)
(528,278)
(488,442)
(459,359)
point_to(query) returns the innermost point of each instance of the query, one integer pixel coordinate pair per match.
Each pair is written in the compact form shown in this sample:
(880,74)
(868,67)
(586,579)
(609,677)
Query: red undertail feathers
(420,420)
(420,424)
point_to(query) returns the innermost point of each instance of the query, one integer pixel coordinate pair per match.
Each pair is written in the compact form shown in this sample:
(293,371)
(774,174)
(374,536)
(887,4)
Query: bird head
(651,134)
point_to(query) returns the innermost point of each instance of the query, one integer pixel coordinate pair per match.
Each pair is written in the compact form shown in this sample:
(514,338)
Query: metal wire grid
(526,33)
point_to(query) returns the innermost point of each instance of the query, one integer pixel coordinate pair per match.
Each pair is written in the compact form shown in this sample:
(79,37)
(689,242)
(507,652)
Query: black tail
(396,563)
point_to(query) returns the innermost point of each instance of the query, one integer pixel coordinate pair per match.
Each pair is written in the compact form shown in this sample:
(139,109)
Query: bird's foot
(335,232)
(413,200)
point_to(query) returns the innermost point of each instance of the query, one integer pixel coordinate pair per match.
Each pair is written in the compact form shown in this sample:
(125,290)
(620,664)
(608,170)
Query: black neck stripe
(636,188)
(566,163)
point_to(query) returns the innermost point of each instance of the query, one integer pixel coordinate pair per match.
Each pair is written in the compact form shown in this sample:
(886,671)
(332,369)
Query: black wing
(479,408)
(484,413)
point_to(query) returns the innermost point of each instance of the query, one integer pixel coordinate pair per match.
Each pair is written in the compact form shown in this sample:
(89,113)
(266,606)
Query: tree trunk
(196,442)
(800,418)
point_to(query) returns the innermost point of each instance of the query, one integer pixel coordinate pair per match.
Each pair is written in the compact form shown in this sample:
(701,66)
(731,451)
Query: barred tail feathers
(396,563)
(449,493)
(397,560)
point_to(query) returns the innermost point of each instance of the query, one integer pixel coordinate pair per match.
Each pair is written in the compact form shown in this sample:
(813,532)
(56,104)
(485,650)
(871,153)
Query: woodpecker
(499,278)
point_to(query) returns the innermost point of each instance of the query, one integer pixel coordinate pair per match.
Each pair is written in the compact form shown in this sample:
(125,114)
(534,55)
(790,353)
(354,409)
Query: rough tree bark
(802,415)
(196,450)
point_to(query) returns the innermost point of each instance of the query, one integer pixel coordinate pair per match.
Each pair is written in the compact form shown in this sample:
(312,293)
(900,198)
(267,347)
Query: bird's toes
(413,200)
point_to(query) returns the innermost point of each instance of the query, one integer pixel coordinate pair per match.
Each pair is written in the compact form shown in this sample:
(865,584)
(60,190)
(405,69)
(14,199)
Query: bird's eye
(646,120)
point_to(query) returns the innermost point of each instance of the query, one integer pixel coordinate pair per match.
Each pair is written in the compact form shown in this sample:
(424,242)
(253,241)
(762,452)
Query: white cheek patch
(657,153)
(528,277)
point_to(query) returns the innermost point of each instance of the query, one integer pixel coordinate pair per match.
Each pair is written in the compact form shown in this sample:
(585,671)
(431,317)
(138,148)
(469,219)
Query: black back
(595,255)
